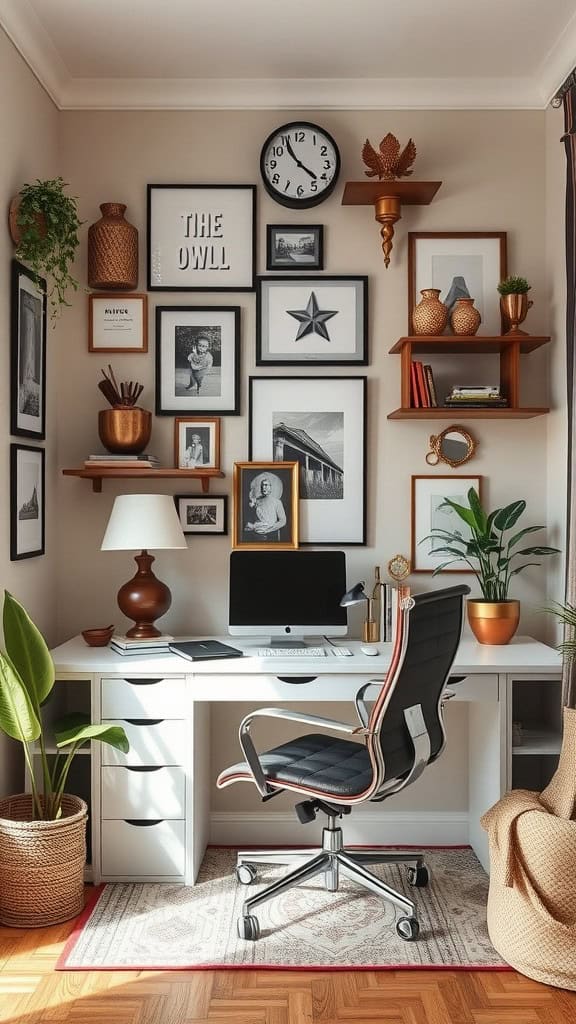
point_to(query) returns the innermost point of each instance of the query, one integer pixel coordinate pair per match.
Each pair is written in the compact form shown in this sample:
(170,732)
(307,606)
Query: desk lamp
(143,521)
(370,628)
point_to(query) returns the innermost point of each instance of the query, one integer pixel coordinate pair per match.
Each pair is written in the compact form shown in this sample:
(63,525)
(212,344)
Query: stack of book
(422,389)
(110,461)
(127,645)
(472,396)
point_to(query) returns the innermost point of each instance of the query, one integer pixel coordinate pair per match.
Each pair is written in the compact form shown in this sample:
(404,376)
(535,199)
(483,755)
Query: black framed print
(266,511)
(320,423)
(320,320)
(27,529)
(201,237)
(28,354)
(295,247)
(197,360)
(203,513)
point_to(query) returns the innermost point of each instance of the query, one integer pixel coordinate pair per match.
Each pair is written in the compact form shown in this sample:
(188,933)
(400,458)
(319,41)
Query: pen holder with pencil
(125,430)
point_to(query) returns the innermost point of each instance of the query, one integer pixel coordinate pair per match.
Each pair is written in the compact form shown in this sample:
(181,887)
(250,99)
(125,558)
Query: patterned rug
(156,927)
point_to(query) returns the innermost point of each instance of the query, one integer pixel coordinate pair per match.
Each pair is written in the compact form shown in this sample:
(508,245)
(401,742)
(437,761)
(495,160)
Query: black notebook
(204,650)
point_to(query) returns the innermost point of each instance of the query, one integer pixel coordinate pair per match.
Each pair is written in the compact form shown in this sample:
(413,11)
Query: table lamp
(370,627)
(143,521)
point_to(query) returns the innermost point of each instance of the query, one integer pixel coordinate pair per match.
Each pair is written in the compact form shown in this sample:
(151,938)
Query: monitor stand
(287,643)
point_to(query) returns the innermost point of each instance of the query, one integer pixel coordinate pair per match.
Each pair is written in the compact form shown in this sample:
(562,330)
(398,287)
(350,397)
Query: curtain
(568,97)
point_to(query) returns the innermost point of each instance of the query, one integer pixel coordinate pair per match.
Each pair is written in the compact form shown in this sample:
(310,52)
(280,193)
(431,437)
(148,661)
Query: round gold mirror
(455,446)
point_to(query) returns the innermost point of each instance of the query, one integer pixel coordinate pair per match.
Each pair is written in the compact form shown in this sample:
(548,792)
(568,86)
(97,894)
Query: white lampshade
(143,521)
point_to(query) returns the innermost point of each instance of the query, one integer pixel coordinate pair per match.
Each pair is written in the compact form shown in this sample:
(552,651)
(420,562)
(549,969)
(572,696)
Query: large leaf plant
(487,547)
(26,681)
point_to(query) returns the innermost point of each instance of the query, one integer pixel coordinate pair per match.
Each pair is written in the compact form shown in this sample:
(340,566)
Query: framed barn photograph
(429,512)
(28,354)
(265,505)
(320,423)
(203,513)
(27,502)
(197,442)
(295,247)
(197,360)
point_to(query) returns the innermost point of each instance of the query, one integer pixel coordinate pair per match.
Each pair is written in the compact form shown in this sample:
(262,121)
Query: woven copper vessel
(112,250)
(125,431)
(430,316)
(465,318)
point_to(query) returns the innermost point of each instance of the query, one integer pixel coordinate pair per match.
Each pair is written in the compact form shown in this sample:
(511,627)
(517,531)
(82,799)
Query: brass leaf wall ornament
(389,163)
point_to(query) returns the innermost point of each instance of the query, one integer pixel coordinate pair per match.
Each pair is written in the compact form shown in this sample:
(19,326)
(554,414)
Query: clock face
(300,164)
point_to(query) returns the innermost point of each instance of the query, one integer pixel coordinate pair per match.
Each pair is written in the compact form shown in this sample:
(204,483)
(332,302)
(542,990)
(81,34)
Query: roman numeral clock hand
(299,162)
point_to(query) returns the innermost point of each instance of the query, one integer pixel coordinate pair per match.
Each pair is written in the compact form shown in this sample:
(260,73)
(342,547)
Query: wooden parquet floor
(31,992)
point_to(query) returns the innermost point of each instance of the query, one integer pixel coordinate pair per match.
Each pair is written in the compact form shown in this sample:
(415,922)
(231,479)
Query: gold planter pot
(493,622)
(125,431)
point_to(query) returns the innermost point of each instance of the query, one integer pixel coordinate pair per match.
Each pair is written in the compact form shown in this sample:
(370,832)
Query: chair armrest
(362,710)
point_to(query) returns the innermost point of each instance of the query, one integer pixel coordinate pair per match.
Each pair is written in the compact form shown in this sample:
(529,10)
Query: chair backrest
(429,633)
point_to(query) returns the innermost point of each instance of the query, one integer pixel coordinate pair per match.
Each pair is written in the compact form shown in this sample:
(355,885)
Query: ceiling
(142,54)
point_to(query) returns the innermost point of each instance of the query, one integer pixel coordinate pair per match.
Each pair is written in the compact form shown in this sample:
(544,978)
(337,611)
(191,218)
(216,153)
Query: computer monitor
(286,595)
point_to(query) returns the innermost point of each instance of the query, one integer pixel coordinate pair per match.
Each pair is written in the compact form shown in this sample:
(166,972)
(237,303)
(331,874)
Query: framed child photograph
(295,247)
(27,503)
(117,322)
(203,514)
(28,354)
(429,512)
(197,442)
(265,505)
(198,360)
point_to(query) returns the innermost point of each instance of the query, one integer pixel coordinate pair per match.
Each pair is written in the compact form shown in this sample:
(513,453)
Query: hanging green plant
(44,222)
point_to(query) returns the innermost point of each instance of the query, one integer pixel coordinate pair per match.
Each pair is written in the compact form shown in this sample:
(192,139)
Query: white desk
(150,808)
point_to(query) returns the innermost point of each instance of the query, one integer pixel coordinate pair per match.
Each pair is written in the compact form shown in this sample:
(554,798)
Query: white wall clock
(300,164)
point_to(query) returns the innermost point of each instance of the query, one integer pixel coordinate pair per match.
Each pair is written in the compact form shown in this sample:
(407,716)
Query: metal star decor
(312,319)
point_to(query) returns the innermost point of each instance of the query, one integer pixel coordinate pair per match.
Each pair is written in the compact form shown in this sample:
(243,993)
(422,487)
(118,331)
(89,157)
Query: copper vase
(465,318)
(112,250)
(430,316)
(493,622)
(514,308)
(125,431)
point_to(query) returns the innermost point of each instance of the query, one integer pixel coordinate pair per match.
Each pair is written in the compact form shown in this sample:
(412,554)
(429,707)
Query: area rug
(169,927)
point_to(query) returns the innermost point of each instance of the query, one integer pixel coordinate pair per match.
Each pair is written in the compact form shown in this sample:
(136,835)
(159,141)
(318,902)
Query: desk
(150,809)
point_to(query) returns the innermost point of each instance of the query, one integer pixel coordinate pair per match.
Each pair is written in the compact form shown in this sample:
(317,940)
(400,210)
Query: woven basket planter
(41,863)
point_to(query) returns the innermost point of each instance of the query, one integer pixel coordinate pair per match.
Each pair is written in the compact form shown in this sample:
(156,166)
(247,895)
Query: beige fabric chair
(532,898)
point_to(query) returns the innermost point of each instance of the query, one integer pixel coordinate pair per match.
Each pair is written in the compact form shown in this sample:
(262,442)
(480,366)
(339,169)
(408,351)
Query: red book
(423,390)
(414,387)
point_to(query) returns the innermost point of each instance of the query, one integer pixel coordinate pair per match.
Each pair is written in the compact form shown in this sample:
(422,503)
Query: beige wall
(29,129)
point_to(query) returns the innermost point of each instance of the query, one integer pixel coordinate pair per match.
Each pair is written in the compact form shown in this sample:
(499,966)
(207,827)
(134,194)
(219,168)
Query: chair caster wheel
(245,874)
(419,877)
(407,928)
(248,928)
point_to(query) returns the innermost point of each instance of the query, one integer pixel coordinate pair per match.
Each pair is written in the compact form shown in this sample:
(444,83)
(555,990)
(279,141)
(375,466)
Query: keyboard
(288,652)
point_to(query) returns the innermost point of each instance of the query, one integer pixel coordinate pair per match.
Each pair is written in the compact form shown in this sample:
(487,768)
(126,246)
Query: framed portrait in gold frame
(265,515)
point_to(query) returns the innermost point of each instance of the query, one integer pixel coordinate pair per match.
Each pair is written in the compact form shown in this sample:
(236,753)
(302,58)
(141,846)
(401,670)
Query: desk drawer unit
(481,687)
(136,848)
(143,698)
(147,793)
(152,741)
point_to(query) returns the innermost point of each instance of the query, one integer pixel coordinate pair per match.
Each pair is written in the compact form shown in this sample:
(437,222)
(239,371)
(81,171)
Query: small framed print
(265,505)
(28,354)
(203,514)
(117,322)
(201,237)
(27,529)
(295,247)
(320,320)
(428,495)
(197,360)
(197,442)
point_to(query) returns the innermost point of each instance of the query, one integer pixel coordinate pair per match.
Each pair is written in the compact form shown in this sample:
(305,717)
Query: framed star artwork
(320,320)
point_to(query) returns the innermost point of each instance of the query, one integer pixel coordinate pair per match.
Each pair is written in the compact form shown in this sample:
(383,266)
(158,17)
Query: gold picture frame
(197,442)
(264,516)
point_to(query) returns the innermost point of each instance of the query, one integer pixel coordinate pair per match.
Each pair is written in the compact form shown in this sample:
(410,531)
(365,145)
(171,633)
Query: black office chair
(401,731)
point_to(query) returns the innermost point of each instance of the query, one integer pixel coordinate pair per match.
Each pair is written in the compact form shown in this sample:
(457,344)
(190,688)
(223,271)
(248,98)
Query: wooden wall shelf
(387,198)
(456,415)
(110,473)
(477,344)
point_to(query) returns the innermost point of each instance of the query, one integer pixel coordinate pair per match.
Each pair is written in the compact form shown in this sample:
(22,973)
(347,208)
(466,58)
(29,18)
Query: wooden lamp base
(144,599)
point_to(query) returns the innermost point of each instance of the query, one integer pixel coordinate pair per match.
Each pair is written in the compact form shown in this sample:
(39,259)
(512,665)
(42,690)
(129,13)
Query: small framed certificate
(117,322)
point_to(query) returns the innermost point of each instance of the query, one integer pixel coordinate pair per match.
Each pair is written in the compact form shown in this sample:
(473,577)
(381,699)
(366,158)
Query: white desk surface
(523,655)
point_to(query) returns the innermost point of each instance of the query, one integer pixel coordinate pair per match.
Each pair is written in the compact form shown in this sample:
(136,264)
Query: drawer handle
(147,768)
(142,822)
(452,680)
(142,682)
(296,679)
(144,721)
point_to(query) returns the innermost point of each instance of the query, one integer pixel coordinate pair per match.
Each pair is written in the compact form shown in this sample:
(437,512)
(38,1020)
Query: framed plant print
(320,320)
(117,322)
(265,506)
(201,238)
(428,494)
(320,423)
(27,502)
(28,354)
(206,514)
(197,442)
(462,264)
(197,360)
(295,247)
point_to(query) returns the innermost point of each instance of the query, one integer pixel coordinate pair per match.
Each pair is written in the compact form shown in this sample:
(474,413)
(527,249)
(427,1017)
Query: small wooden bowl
(98,637)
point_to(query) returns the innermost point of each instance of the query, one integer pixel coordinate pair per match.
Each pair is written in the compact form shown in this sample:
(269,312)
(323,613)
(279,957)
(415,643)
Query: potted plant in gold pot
(514,302)
(42,833)
(491,550)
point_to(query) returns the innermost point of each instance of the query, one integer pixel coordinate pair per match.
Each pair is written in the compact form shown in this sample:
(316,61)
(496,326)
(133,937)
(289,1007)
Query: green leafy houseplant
(514,286)
(490,552)
(47,221)
(26,680)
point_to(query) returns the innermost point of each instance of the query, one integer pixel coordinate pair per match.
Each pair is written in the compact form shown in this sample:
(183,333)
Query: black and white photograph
(201,237)
(203,514)
(197,359)
(265,505)
(26,501)
(28,354)
(320,320)
(461,265)
(320,423)
(295,247)
(196,442)
(429,512)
